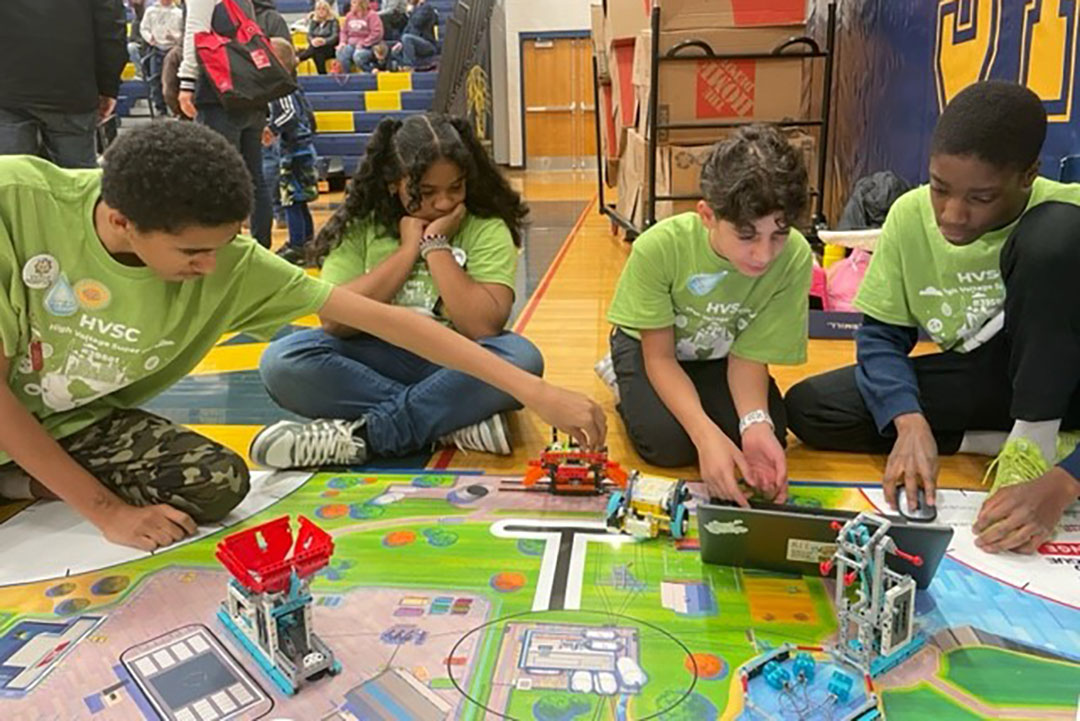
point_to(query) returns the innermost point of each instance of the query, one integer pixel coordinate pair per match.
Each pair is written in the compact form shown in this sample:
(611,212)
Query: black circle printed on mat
(607,615)
(477,491)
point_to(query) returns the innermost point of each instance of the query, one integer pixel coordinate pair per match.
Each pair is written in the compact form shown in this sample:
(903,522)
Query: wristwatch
(755,417)
(433,242)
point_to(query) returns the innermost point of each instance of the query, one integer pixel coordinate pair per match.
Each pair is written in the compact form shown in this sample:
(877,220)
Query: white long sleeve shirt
(162,27)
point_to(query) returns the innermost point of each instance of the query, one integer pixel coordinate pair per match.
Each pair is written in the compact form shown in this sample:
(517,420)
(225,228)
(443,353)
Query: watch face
(460,255)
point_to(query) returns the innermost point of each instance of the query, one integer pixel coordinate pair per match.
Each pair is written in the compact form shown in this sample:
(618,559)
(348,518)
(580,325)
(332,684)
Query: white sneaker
(289,444)
(605,369)
(490,435)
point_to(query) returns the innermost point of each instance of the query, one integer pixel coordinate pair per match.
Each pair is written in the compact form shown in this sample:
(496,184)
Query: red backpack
(239,63)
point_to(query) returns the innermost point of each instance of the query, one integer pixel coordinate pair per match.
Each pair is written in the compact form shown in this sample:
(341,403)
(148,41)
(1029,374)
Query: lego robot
(567,469)
(648,507)
(268,606)
(877,626)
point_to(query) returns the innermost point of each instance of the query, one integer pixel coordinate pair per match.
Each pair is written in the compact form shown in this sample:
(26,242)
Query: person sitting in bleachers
(394,15)
(162,28)
(418,45)
(323,33)
(361,30)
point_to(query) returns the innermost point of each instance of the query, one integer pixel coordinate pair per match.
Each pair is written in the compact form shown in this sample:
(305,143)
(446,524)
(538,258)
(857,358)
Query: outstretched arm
(572,412)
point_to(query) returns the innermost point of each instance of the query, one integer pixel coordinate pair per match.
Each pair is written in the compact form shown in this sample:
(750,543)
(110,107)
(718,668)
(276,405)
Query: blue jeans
(271,167)
(155,63)
(67,139)
(407,401)
(414,50)
(349,56)
(244,132)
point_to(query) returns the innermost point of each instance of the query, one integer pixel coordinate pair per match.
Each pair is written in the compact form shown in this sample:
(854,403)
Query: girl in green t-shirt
(706,301)
(430,224)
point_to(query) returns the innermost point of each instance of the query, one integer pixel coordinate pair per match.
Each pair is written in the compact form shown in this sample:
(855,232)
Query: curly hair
(168,176)
(405,149)
(999,122)
(754,173)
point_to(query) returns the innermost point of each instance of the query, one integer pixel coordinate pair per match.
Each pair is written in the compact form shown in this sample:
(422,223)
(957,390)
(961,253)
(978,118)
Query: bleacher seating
(347,107)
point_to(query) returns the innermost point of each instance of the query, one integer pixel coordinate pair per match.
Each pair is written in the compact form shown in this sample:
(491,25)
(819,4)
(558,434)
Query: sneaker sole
(259,443)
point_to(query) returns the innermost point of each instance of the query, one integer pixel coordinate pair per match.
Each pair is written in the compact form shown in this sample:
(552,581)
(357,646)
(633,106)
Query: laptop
(795,539)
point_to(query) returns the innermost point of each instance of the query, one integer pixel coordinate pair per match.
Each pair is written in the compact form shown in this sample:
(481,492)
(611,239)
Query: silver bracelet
(433,242)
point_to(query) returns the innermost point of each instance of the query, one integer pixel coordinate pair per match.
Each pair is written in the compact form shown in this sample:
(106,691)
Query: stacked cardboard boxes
(703,90)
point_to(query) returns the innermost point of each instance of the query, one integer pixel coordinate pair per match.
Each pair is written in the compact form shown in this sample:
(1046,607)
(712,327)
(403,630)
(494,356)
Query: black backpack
(238,61)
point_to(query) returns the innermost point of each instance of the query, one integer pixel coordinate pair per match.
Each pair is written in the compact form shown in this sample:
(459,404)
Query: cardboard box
(678,170)
(599,41)
(621,66)
(633,176)
(626,18)
(722,90)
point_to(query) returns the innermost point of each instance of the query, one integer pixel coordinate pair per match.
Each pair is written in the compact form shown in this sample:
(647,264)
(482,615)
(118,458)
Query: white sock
(15,486)
(1041,433)
(983,443)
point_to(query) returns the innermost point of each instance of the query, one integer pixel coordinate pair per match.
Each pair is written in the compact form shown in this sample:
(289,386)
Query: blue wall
(898,62)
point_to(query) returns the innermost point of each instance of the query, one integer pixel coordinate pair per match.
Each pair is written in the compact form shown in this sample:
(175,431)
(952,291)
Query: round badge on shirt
(40,272)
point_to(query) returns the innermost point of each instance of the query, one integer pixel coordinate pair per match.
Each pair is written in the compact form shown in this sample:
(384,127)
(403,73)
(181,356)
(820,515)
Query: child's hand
(571,413)
(767,461)
(448,224)
(187,103)
(411,231)
(147,528)
(267,137)
(718,459)
(1021,518)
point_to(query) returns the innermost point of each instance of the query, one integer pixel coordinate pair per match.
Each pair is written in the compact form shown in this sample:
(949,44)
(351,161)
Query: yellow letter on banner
(1048,53)
(967,44)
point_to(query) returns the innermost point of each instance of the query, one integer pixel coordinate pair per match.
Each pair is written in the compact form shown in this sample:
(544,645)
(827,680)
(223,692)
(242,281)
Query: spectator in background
(52,101)
(394,15)
(162,28)
(323,33)
(292,129)
(199,100)
(380,60)
(136,46)
(418,45)
(361,30)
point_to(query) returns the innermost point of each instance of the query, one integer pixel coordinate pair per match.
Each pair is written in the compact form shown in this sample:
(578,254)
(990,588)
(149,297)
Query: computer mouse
(923,513)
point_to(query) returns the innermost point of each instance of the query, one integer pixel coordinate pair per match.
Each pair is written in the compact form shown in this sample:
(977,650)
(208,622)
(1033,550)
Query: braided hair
(406,149)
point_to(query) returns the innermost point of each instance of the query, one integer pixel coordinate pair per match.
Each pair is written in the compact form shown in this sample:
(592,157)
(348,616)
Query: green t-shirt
(917,278)
(86,334)
(484,244)
(673,278)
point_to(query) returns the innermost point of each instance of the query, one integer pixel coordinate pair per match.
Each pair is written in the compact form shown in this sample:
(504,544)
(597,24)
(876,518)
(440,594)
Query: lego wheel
(678,495)
(680,522)
(615,510)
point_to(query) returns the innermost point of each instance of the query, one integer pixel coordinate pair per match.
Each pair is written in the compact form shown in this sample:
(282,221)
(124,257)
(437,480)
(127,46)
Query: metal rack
(678,54)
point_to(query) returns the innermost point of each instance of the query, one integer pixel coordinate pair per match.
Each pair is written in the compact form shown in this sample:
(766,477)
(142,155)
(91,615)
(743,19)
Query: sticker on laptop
(804,551)
(727,528)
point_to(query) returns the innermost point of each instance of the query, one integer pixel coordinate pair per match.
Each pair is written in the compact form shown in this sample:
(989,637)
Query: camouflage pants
(146,459)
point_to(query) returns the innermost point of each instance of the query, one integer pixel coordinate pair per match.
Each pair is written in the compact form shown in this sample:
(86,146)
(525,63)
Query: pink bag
(843,279)
(817,283)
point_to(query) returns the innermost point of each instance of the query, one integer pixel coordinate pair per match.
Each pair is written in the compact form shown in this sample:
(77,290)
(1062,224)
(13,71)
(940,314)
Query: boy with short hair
(113,286)
(985,259)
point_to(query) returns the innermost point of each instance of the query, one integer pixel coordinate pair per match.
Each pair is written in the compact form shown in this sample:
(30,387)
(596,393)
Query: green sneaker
(1020,461)
(1067,441)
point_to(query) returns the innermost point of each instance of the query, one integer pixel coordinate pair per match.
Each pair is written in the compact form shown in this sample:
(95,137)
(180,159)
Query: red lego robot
(567,469)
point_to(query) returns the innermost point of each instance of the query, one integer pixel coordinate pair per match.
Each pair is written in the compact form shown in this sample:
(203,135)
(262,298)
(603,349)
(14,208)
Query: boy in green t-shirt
(985,259)
(706,301)
(114,284)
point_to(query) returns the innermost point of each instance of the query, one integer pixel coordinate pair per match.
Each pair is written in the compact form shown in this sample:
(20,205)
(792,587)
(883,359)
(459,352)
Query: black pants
(1030,371)
(655,432)
(320,54)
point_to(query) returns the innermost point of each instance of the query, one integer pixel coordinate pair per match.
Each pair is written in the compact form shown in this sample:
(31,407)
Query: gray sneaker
(289,444)
(490,435)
